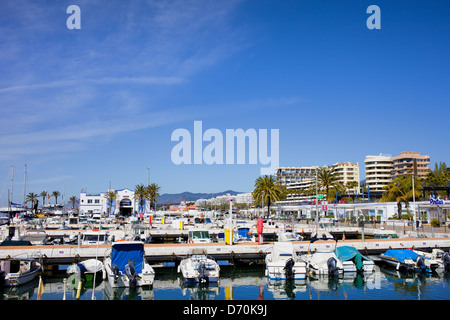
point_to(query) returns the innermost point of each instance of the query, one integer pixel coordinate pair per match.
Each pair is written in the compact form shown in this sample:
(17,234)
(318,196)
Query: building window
(89,200)
(97,201)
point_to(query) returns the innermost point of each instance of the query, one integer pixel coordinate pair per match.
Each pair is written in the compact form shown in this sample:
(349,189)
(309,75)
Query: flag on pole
(41,289)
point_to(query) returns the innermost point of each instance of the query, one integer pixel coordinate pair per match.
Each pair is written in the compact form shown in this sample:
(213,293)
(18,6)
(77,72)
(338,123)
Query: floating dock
(240,252)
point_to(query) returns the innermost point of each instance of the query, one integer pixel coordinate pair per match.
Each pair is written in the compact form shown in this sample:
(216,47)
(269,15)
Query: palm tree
(267,190)
(327,177)
(73,200)
(111,195)
(43,194)
(400,190)
(56,194)
(31,197)
(152,192)
(140,193)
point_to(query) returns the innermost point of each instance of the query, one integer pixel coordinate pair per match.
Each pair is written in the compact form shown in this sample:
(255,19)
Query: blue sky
(86,108)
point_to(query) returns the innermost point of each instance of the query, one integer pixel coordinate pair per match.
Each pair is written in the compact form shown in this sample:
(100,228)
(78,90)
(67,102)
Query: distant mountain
(176,198)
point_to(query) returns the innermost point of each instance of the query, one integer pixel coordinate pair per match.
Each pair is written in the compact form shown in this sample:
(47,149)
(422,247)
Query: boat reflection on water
(286,289)
(250,283)
(199,291)
(127,293)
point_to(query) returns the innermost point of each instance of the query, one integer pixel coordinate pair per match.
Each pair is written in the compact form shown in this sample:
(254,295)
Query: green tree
(31,197)
(267,190)
(152,194)
(43,194)
(400,190)
(73,200)
(140,193)
(440,176)
(327,177)
(111,196)
(56,194)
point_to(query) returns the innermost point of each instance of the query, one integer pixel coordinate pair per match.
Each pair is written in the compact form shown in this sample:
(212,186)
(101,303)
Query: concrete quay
(244,251)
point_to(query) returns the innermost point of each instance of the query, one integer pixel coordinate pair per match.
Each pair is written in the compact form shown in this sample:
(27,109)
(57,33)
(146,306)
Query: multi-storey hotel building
(289,175)
(410,163)
(378,171)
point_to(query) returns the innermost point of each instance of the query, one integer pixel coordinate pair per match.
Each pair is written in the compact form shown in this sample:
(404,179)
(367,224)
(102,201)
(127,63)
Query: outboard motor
(333,269)
(202,272)
(130,271)
(421,264)
(288,269)
(116,272)
(446,259)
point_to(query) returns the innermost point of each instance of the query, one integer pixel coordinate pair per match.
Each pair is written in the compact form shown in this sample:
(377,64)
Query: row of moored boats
(126,266)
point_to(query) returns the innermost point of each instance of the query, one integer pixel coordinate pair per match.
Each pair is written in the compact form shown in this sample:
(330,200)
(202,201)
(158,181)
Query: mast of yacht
(12,183)
(25,187)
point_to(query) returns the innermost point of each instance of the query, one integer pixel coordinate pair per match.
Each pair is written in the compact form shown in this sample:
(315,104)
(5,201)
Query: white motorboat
(36,237)
(126,266)
(353,261)
(289,236)
(95,237)
(321,259)
(87,269)
(437,260)
(19,271)
(199,236)
(283,263)
(199,268)
(408,260)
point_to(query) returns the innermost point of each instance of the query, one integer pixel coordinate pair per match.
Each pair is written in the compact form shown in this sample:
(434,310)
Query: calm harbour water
(249,283)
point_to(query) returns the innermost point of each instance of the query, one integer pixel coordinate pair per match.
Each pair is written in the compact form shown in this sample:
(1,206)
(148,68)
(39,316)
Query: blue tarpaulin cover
(123,252)
(401,254)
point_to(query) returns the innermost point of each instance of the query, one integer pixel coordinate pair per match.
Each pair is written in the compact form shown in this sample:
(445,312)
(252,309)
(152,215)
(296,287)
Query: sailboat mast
(25,186)
(12,182)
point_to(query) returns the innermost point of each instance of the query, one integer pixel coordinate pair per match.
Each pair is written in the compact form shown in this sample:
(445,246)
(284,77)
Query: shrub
(435,223)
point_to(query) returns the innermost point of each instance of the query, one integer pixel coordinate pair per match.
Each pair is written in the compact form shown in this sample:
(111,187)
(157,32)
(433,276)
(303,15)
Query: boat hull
(17,279)
(276,271)
(145,278)
(408,266)
(349,266)
(189,269)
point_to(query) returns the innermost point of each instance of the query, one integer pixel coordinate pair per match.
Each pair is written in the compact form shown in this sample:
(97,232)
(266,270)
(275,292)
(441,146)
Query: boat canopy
(346,253)
(122,252)
(401,254)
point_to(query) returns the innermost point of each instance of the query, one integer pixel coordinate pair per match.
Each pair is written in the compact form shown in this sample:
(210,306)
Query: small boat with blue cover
(126,266)
(353,261)
(408,260)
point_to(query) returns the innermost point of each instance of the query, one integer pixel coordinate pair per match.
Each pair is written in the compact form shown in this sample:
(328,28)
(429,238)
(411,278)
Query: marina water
(248,283)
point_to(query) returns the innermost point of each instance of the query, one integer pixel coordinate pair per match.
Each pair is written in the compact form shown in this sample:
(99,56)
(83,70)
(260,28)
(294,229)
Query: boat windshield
(200,235)
(289,236)
(94,237)
(386,236)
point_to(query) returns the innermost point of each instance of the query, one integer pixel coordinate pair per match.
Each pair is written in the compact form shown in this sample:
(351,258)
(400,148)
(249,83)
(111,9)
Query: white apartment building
(290,175)
(348,172)
(378,171)
(239,198)
(124,204)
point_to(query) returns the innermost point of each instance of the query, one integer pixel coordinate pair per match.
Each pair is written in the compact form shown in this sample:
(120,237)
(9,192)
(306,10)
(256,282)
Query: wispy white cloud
(61,90)
(100,81)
